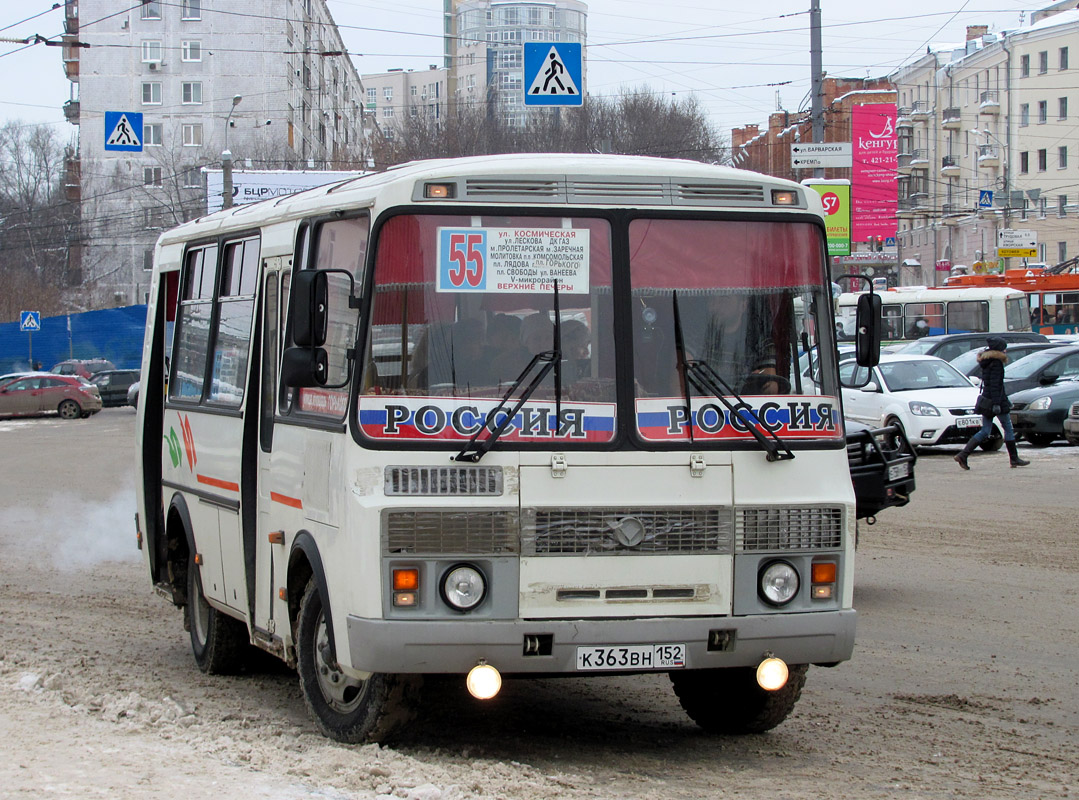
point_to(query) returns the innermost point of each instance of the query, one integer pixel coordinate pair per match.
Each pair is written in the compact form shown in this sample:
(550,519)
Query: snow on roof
(1063,18)
(858,92)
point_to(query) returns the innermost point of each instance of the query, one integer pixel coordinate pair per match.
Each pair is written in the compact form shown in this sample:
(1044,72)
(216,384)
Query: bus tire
(218,641)
(346,709)
(729,701)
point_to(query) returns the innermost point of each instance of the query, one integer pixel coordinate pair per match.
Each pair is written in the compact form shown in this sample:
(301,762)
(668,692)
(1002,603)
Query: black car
(1038,414)
(950,345)
(1042,369)
(113,385)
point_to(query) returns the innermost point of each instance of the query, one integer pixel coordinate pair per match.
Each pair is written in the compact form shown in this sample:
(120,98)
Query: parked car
(950,345)
(1042,369)
(967,363)
(1071,425)
(86,368)
(1038,414)
(930,401)
(881,463)
(68,395)
(113,385)
(133,394)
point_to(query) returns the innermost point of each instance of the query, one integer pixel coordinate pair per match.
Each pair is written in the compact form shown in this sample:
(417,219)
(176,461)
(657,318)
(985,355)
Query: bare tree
(38,225)
(637,121)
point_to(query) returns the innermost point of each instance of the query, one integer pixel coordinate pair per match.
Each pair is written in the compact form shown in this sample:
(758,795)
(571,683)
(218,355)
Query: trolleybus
(503,416)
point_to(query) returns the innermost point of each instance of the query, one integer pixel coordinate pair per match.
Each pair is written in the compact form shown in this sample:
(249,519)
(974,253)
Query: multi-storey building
(986,143)
(269,81)
(504,27)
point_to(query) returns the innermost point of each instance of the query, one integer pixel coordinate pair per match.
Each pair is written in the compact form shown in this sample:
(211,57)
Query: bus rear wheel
(729,701)
(218,642)
(347,709)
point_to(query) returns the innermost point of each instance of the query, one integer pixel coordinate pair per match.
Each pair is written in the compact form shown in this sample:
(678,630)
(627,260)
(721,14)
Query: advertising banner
(874,196)
(836,199)
(251,186)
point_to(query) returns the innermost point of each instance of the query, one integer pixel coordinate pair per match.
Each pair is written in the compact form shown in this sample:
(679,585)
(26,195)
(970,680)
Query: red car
(70,396)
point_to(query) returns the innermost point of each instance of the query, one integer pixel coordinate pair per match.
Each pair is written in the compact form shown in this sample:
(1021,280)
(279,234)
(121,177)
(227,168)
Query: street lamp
(226,159)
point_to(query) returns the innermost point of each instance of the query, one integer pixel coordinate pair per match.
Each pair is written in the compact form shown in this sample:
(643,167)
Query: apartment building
(986,143)
(269,81)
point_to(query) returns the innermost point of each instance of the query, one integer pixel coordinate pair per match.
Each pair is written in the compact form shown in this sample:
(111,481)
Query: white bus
(913,312)
(518,415)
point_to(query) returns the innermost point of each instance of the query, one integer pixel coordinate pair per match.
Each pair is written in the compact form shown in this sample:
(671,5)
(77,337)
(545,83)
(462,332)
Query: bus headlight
(779,583)
(463,587)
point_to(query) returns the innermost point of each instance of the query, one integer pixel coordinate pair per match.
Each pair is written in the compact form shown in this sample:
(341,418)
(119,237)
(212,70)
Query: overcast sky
(725,53)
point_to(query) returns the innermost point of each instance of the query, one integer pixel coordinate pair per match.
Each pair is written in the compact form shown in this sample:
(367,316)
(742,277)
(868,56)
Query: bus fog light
(483,681)
(772,674)
(463,587)
(779,583)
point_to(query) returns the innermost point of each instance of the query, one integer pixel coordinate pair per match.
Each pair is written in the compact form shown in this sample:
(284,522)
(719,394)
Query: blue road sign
(553,74)
(889,242)
(29,321)
(985,198)
(123,131)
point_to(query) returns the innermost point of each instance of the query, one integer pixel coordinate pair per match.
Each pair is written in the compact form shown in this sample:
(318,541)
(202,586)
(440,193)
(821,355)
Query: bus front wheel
(218,641)
(347,709)
(729,701)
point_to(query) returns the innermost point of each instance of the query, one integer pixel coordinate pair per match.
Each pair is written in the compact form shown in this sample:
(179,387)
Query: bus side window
(892,319)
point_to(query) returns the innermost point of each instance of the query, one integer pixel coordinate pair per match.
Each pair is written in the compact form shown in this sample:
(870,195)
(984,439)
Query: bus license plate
(897,471)
(969,422)
(634,656)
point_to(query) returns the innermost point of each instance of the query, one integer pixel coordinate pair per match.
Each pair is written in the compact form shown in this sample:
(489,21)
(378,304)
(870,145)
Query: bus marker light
(404,599)
(772,674)
(198,558)
(822,592)
(282,593)
(276,537)
(438,191)
(405,580)
(483,681)
(782,197)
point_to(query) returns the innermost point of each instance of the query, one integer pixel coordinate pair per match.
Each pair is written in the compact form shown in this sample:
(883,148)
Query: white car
(929,398)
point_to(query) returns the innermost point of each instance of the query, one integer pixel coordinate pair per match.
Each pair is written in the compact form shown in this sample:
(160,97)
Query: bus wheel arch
(179,544)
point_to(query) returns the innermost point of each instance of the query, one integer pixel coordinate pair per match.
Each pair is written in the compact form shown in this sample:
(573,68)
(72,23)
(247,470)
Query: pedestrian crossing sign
(29,321)
(553,74)
(123,131)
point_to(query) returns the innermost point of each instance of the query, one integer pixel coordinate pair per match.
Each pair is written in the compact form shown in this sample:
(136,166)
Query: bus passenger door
(270,558)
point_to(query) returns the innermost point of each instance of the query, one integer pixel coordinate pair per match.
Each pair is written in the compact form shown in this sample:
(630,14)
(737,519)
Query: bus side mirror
(310,301)
(302,367)
(868,330)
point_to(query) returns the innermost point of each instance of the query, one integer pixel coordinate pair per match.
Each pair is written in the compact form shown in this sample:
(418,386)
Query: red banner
(873,174)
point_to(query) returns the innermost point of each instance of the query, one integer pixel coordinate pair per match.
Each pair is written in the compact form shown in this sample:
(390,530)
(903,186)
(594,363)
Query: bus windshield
(463,304)
(745,293)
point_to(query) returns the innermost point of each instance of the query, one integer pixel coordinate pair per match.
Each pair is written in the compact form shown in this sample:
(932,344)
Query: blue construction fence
(112,333)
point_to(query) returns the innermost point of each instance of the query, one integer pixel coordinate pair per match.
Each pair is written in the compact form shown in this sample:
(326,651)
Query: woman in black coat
(993,402)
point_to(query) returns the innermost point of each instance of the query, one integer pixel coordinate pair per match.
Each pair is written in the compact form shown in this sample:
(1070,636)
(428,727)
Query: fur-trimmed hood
(998,355)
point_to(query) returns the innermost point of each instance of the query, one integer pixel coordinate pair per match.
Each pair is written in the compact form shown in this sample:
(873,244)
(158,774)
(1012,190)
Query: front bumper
(1050,421)
(1071,429)
(455,646)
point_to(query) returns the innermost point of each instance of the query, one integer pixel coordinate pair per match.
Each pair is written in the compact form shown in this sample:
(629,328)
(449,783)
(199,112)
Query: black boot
(961,456)
(1013,453)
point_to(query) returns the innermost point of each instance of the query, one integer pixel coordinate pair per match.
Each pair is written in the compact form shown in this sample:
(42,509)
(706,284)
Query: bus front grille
(780,528)
(452,481)
(626,531)
(464,532)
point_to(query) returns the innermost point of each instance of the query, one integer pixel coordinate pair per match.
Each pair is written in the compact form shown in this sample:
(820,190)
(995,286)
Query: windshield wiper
(546,361)
(702,376)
